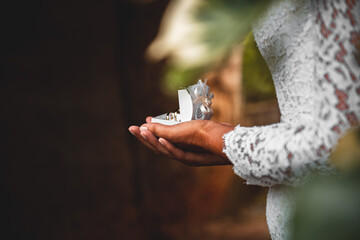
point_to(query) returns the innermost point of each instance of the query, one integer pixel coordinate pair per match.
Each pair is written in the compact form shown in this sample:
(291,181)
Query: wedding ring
(173,116)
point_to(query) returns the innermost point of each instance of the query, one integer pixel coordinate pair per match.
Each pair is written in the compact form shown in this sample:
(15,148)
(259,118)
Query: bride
(312,50)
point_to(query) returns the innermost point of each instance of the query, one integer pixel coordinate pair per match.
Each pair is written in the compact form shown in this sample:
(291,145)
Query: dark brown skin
(194,143)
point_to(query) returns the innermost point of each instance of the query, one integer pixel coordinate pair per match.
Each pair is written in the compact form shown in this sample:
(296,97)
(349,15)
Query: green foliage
(176,77)
(329,207)
(257,80)
(225,24)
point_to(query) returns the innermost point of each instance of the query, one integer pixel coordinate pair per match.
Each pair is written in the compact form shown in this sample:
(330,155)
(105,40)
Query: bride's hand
(203,137)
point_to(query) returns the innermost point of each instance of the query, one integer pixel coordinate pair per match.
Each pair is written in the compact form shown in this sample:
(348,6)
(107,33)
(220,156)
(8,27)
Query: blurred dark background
(73,78)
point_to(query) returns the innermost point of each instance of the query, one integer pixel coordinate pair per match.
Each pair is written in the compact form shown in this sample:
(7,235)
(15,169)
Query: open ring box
(194,103)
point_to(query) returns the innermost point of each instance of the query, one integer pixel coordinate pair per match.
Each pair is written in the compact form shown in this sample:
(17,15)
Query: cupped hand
(196,143)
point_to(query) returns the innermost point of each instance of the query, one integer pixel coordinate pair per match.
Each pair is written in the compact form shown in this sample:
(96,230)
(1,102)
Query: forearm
(280,153)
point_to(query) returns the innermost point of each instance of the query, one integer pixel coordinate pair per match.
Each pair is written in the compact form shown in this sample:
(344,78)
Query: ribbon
(201,98)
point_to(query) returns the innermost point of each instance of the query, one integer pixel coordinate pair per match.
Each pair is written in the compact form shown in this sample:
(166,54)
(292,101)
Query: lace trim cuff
(233,148)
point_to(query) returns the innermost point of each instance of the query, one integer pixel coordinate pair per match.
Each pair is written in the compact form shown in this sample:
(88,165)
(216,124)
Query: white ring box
(187,105)
(186,109)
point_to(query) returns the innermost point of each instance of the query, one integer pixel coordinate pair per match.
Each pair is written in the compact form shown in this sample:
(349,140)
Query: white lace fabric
(310,48)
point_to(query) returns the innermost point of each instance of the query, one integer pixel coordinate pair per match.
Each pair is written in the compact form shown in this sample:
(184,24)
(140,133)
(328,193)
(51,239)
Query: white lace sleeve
(287,152)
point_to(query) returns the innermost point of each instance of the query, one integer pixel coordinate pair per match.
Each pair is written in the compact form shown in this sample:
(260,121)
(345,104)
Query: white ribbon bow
(201,98)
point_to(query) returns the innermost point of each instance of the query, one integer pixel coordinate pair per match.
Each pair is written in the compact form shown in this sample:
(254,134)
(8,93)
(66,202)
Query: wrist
(211,136)
(219,144)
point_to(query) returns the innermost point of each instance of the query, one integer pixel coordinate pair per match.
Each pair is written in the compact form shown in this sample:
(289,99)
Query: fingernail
(161,141)
(143,135)
(143,128)
(131,132)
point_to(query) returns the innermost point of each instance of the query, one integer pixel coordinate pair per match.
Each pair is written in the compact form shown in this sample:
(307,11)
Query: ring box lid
(185,106)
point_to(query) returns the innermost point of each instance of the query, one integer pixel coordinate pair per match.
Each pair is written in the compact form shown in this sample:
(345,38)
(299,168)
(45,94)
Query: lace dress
(310,48)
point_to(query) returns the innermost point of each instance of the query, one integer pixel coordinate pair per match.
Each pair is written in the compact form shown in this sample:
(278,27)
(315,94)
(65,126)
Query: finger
(153,141)
(205,159)
(161,130)
(227,124)
(188,158)
(174,151)
(156,128)
(135,130)
(148,119)
(193,158)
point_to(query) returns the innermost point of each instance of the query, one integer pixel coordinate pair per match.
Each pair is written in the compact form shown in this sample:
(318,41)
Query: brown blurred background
(73,78)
